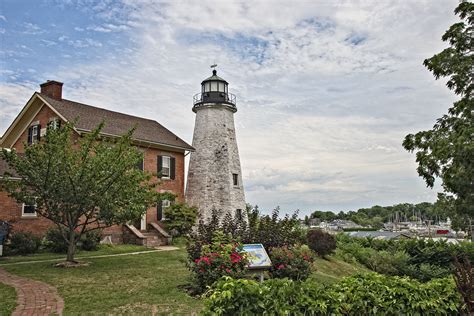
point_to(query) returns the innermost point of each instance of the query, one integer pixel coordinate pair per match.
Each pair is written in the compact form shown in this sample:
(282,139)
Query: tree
(81,184)
(321,242)
(447,150)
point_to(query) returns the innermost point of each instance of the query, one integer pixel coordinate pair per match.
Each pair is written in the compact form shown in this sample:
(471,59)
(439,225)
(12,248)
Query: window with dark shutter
(30,135)
(172,168)
(159,211)
(38,132)
(165,169)
(34,134)
(159,166)
(162,211)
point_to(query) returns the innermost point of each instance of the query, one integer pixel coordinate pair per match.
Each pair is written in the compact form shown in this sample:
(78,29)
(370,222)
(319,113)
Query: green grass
(333,269)
(145,284)
(103,250)
(8,299)
(142,284)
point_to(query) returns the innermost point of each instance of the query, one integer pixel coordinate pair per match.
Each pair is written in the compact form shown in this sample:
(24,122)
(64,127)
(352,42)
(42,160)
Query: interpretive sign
(258,257)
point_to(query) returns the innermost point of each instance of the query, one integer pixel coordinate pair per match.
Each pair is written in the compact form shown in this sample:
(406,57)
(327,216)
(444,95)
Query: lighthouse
(214,175)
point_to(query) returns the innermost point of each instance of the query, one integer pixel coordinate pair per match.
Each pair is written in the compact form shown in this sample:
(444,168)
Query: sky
(326,90)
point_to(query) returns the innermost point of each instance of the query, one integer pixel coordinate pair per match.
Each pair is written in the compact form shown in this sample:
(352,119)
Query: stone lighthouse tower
(215,176)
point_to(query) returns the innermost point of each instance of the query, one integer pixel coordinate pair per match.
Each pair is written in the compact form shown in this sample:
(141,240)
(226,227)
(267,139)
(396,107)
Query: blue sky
(326,89)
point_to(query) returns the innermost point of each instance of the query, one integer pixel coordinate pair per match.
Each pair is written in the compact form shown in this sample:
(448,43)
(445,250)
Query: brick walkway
(33,297)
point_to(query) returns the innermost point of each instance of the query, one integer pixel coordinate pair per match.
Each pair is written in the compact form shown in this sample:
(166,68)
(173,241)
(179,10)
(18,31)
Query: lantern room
(214,90)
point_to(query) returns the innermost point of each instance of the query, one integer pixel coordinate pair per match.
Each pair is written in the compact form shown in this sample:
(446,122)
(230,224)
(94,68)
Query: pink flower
(227,270)
(281,266)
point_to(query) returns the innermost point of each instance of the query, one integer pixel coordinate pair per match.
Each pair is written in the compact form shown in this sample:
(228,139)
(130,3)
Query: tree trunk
(71,249)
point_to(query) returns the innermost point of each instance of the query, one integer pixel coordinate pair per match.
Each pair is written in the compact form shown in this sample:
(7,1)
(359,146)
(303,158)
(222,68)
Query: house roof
(379,234)
(116,124)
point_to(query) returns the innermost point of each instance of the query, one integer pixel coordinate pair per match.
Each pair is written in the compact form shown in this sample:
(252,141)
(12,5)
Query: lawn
(8,299)
(103,250)
(143,284)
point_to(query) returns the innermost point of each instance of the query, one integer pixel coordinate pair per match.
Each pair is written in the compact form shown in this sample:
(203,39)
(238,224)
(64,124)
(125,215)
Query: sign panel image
(258,257)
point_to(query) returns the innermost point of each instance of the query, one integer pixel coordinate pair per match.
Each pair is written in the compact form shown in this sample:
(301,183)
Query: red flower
(235,257)
(205,259)
(227,270)
(281,266)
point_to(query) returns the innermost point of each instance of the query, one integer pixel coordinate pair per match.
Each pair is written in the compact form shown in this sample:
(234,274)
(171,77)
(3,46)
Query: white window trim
(164,205)
(34,136)
(23,214)
(168,158)
(53,123)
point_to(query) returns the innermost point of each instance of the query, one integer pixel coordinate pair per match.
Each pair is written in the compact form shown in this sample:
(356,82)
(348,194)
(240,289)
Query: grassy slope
(8,299)
(333,269)
(142,284)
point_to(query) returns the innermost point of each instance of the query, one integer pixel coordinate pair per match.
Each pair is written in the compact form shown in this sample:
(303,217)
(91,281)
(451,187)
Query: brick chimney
(53,89)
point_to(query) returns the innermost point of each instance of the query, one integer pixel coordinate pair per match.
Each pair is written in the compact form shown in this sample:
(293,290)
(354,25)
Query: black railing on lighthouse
(214,97)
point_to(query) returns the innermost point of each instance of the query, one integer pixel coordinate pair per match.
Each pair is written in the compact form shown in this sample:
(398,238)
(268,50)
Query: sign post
(259,261)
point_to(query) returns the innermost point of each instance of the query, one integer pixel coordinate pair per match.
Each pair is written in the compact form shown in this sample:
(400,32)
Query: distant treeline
(376,215)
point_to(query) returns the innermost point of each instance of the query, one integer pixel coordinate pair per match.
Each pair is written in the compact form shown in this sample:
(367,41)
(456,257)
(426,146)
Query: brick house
(164,152)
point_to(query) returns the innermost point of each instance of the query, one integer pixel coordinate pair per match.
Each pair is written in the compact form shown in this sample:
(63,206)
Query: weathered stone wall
(210,183)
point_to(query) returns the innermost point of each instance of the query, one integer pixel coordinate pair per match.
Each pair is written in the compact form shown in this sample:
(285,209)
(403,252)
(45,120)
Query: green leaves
(81,183)
(180,218)
(447,150)
(367,294)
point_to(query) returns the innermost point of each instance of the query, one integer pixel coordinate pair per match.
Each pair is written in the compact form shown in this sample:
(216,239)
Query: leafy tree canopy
(81,183)
(447,150)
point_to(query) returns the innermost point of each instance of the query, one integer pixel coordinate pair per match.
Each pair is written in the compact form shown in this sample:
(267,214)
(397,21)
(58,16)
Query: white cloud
(107,28)
(32,29)
(326,90)
(87,42)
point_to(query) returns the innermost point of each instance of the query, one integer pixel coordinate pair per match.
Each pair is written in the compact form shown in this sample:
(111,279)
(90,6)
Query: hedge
(365,294)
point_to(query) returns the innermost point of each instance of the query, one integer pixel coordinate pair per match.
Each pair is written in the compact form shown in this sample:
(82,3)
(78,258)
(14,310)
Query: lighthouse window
(221,87)
(213,85)
(235,178)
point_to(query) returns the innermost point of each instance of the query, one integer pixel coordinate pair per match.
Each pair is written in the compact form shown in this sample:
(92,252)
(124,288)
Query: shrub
(23,243)
(54,241)
(271,231)
(417,258)
(294,263)
(321,242)
(90,240)
(217,260)
(180,218)
(368,294)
